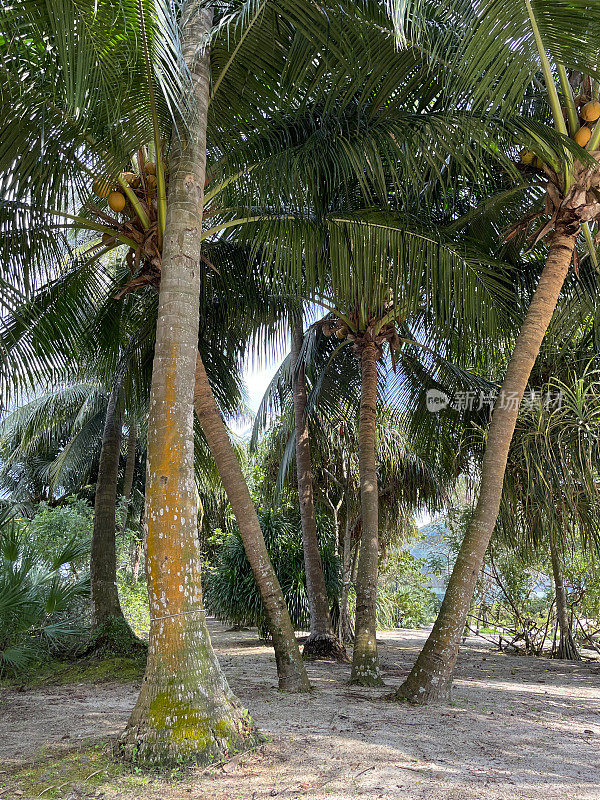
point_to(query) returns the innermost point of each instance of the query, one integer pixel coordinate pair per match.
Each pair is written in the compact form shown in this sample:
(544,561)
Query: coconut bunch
(588,112)
(143,185)
(387,333)
(143,259)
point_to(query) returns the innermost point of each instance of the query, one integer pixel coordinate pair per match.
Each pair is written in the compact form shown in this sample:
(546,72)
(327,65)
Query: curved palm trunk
(107,617)
(431,676)
(185,709)
(290,668)
(365,662)
(129,474)
(322,642)
(567,647)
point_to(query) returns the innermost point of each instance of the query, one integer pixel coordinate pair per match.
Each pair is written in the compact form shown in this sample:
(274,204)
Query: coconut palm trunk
(185,709)
(108,623)
(431,677)
(129,474)
(567,647)
(322,642)
(365,662)
(345,630)
(290,667)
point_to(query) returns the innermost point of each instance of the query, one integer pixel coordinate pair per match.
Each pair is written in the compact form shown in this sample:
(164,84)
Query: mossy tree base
(115,638)
(324,646)
(182,720)
(187,737)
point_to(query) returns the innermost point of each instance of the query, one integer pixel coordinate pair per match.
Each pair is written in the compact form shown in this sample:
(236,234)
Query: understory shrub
(231,593)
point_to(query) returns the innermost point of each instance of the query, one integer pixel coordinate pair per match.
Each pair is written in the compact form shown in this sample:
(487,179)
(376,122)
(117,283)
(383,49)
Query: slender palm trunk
(136,560)
(345,630)
(185,709)
(567,647)
(106,609)
(290,668)
(365,662)
(129,473)
(322,642)
(431,676)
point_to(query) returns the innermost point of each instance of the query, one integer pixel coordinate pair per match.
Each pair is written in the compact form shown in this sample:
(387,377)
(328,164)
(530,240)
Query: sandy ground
(517,729)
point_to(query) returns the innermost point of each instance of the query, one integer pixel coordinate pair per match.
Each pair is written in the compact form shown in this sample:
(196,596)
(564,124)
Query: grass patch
(118,669)
(82,772)
(56,777)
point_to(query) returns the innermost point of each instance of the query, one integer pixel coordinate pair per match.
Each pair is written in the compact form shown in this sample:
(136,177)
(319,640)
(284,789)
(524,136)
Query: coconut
(130,178)
(538,163)
(591,111)
(583,136)
(101,188)
(151,182)
(150,168)
(116,201)
(341,332)
(527,157)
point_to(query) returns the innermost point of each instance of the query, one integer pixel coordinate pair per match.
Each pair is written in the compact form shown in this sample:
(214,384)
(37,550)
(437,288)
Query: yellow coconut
(538,163)
(116,201)
(150,168)
(130,178)
(527,157)
(590,111)
(583,136)
(102,188)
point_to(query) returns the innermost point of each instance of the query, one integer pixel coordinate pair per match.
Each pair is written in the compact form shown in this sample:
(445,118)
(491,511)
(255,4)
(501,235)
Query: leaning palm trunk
(431,676)
(322,642)
(365,662)
(185,709)
(290,668)
(567,647)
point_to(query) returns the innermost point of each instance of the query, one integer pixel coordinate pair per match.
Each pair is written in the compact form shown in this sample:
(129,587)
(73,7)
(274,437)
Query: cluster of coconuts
(589,112)
(143,185)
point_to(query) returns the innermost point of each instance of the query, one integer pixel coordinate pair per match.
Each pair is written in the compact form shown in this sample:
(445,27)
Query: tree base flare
(430,690)
(365,671)
(365,662)
(186,736)
(115,638)
(324,646)
(567,650)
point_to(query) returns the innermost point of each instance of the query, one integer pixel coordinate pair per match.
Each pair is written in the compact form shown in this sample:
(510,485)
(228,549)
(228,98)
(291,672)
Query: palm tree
(416,364)
(498,50)
(174,715)
(144,234)
(191,693)
(322,641)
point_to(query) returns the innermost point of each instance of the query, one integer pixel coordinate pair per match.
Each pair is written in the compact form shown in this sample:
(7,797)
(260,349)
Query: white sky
(257,379)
